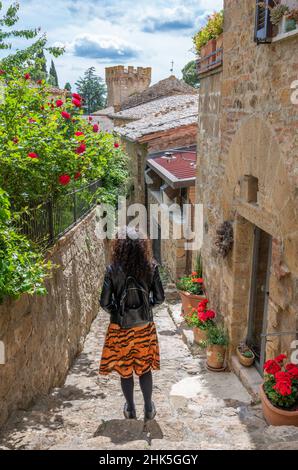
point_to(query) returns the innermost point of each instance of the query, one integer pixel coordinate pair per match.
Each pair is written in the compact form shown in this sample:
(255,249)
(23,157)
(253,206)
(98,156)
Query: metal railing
(46,223)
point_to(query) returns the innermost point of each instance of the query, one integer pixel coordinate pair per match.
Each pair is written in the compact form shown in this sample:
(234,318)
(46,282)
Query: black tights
(146,384)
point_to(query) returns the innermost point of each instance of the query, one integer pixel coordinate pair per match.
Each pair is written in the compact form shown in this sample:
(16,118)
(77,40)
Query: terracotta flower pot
(245,361)
(216,356)
(277,416)
(200,336)
(190,301)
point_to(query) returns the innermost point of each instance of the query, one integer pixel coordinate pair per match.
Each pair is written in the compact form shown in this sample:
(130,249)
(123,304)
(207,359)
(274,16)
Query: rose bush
(281,382)
(47,148)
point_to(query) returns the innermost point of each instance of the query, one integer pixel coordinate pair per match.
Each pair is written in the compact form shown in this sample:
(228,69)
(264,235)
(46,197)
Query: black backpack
(135,307)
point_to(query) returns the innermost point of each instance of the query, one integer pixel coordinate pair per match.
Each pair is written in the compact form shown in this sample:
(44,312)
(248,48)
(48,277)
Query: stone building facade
(43,335)
(247,175)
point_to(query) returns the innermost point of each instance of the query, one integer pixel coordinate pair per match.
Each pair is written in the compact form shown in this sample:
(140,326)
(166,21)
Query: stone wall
(43,335)
(248,129)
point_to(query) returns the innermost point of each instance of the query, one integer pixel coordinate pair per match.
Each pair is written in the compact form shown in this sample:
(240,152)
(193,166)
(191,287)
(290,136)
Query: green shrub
(211,30)
(22,270)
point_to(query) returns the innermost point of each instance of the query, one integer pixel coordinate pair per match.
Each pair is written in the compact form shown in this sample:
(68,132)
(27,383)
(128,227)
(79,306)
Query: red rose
(32,155)
(77,175)
(66,115)
(76,103)
(116,145)
(27,76)
(95,128)
(64,179)
(271,367)
(59,103)
(79,133)
(280,358)
(81,149)
(77,96)
(292,370)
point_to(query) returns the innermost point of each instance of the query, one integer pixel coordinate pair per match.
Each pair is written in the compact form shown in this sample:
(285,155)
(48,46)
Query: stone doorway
(259,295)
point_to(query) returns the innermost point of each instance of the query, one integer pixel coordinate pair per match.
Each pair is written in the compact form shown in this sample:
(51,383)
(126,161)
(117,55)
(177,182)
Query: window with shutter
(263,27)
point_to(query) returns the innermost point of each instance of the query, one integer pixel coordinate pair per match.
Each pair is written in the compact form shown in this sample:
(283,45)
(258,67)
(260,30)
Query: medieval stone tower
(123,82)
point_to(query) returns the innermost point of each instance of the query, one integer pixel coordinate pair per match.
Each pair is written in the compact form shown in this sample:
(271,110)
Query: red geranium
(39,82)
(77,175)
(59,103)
(66,115)
(81,148)
(64,179)
(284,387)
(198,280)
(116,145)
(210,314)
(32,155)
(280,358)
(292,370)
(95,128)
(194,274)
(27,76)
(76,103)
(272,367)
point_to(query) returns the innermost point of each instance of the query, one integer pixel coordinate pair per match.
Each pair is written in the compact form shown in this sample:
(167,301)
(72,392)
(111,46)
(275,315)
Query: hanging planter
(225,239)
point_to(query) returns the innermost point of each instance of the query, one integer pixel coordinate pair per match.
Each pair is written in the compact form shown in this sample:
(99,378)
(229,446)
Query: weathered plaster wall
(42,335)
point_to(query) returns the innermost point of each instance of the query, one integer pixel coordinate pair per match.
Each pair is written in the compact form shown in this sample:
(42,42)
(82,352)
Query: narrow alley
(197,409)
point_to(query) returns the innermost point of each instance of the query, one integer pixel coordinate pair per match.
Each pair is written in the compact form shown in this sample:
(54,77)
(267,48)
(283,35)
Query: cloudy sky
(102,33)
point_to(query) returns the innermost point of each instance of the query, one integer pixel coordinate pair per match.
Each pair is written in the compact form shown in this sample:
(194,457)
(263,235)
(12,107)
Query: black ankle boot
(149,415)
(129,414)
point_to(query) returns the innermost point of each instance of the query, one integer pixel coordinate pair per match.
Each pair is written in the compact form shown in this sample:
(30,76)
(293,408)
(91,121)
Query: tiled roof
(180,167)
(157,107)
(160,122)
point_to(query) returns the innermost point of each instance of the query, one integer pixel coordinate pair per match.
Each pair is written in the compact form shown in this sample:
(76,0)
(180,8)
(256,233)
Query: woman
(132,286)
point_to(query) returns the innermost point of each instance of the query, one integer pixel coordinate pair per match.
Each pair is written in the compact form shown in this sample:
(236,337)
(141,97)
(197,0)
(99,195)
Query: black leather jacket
(114,285)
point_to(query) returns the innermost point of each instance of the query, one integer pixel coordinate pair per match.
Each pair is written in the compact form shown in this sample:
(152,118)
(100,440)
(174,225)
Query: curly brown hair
(133,254)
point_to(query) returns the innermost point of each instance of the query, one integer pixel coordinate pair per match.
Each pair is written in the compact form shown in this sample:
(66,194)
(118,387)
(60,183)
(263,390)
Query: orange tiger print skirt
(130,350)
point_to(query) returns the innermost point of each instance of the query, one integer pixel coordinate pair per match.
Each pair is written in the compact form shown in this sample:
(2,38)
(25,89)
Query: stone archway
(255,151)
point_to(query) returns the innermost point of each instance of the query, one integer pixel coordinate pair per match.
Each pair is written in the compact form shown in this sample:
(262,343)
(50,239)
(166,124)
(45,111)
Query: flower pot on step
(277,416)
(190,301)
(200,336)
(245,361)
(216,356)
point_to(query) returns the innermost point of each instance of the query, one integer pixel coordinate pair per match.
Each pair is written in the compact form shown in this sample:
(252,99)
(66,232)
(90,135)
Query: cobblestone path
(197,409)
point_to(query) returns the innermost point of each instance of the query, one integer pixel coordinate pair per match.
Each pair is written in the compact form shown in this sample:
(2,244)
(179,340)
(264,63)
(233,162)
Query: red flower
(39,82)
(95,128)
(77,175)
(199,280)
(79,133)
(64,179)
(281,358)
(283,387)
(27,76)
(194,274)
(211,314)
(203,316)
(77,96)
(31,120)
(76,103)
(2,72)
(66,115)
(90,118)
(15,140)
(116,145)
(59,103)
(272,367)
(292,370)
(32,155)
(81,149)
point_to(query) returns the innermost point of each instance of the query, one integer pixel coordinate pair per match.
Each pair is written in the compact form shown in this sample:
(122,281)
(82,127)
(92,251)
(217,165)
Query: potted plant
(205,40)
(217,342)
(245,355)
(191,288)
(200,319)
(279,392)
(277,14)
(292,20)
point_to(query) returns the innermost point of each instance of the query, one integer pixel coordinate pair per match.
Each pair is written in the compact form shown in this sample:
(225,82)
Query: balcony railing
(46,223)
(210,61)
